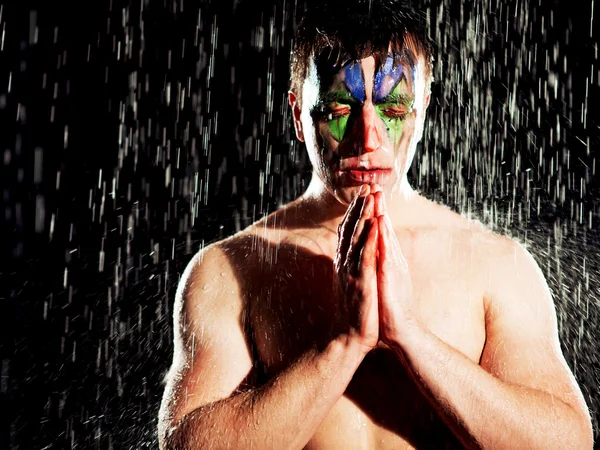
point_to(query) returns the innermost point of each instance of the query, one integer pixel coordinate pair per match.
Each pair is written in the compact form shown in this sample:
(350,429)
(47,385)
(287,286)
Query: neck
(323,208)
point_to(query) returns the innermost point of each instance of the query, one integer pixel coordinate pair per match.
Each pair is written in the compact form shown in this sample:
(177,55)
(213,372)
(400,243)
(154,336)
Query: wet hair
(350,30)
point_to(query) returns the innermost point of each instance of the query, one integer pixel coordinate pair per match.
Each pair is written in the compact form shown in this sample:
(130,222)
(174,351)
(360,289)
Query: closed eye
(394,112)
(337,111)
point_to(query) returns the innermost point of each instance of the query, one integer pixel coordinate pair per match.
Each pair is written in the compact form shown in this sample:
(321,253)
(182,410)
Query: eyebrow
(401,99)
(338,97)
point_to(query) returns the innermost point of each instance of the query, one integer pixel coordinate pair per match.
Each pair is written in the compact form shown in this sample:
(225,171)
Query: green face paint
(393,111)
(337,107)
(338,126)
(393,125)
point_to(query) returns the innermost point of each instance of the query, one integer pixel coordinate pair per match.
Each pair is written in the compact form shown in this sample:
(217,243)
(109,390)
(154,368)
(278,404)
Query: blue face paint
(354,81)
(387,78)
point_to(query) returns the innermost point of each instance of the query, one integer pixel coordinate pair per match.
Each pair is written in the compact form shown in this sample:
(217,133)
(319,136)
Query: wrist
(338,359)
(349,349)
(412,333)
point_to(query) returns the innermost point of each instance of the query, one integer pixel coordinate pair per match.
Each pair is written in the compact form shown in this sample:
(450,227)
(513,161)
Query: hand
(356,268)
(397,311)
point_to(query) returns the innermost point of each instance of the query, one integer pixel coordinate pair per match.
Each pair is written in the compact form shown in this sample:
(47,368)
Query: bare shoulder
(215,288)
(212,355)
(290,225)
(208,293)
(211,268)
(232,268)
(448,224)
(515,290)
(504,259)
(492,257)
(501,259)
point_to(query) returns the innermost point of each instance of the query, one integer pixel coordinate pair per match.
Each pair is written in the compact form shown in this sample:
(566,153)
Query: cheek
(399,133)
(337,127)
(325,140)
(394,130)
(321,148)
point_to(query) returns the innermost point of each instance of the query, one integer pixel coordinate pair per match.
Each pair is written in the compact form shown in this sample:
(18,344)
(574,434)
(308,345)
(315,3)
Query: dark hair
(351,30)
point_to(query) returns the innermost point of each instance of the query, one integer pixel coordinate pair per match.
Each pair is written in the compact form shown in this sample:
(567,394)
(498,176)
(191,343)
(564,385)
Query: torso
(287,276)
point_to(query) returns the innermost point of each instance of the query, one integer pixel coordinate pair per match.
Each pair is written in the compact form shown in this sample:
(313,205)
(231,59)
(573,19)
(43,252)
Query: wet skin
(360,120)
(392,97)
(280,298)
(364,117)
(296,307)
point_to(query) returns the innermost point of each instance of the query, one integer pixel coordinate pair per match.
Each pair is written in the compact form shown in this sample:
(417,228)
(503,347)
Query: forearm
(284,413)
(476,405)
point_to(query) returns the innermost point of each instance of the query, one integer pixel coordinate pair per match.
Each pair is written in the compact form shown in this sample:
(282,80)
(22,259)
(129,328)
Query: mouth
(357,176)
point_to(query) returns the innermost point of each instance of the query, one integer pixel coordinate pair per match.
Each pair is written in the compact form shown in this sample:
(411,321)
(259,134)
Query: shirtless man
(362,315)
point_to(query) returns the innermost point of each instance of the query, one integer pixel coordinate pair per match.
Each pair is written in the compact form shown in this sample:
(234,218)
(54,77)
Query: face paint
(388,76)
(369,117)
(337,124)
(354,81)
(391,95)
(393,112)
(339,103)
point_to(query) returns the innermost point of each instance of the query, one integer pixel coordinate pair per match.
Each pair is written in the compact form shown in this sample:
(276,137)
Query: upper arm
(212,355)
(522,345)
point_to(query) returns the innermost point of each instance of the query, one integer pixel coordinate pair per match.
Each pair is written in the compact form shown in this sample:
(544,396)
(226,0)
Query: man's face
(361,121)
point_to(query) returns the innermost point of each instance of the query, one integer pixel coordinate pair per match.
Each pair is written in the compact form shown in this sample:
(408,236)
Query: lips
(356,176)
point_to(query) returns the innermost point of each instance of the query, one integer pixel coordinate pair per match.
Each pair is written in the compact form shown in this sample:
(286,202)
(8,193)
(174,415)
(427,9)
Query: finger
(360,234)
(368,255)
(382,242)
(379,205)
(375,188)
(363,192)
(365,214)
(367,274)
(348,224)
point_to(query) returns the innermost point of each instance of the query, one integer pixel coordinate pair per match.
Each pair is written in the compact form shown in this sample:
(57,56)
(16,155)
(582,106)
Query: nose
(371,139)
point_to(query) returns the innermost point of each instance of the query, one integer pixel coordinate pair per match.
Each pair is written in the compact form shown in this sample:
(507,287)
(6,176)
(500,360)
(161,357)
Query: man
(363,316)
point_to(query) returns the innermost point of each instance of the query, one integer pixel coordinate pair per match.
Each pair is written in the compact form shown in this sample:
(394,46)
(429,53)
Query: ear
(296,111)
(427,100)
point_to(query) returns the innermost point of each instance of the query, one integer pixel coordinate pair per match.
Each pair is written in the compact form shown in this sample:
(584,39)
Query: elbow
(582,427)
(187,433)
(172,433)
(581,441)
(570,429)
(167,438)
(581,434)
(586,433)
(173,438)
(167,430)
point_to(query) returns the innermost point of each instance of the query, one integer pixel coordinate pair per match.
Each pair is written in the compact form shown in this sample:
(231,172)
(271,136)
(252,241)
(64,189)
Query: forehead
(377,73)
(333,72)
(327,72)
(331,62)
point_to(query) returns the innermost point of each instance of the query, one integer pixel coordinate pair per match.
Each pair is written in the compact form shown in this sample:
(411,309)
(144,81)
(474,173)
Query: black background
(134,133)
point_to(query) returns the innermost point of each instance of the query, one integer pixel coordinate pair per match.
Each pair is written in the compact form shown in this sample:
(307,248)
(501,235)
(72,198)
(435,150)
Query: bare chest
(297,308)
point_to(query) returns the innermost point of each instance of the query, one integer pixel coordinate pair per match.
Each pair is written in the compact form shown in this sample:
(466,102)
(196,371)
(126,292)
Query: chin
(345,194)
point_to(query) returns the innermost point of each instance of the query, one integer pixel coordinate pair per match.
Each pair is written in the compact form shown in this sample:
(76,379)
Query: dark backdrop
(132,133)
